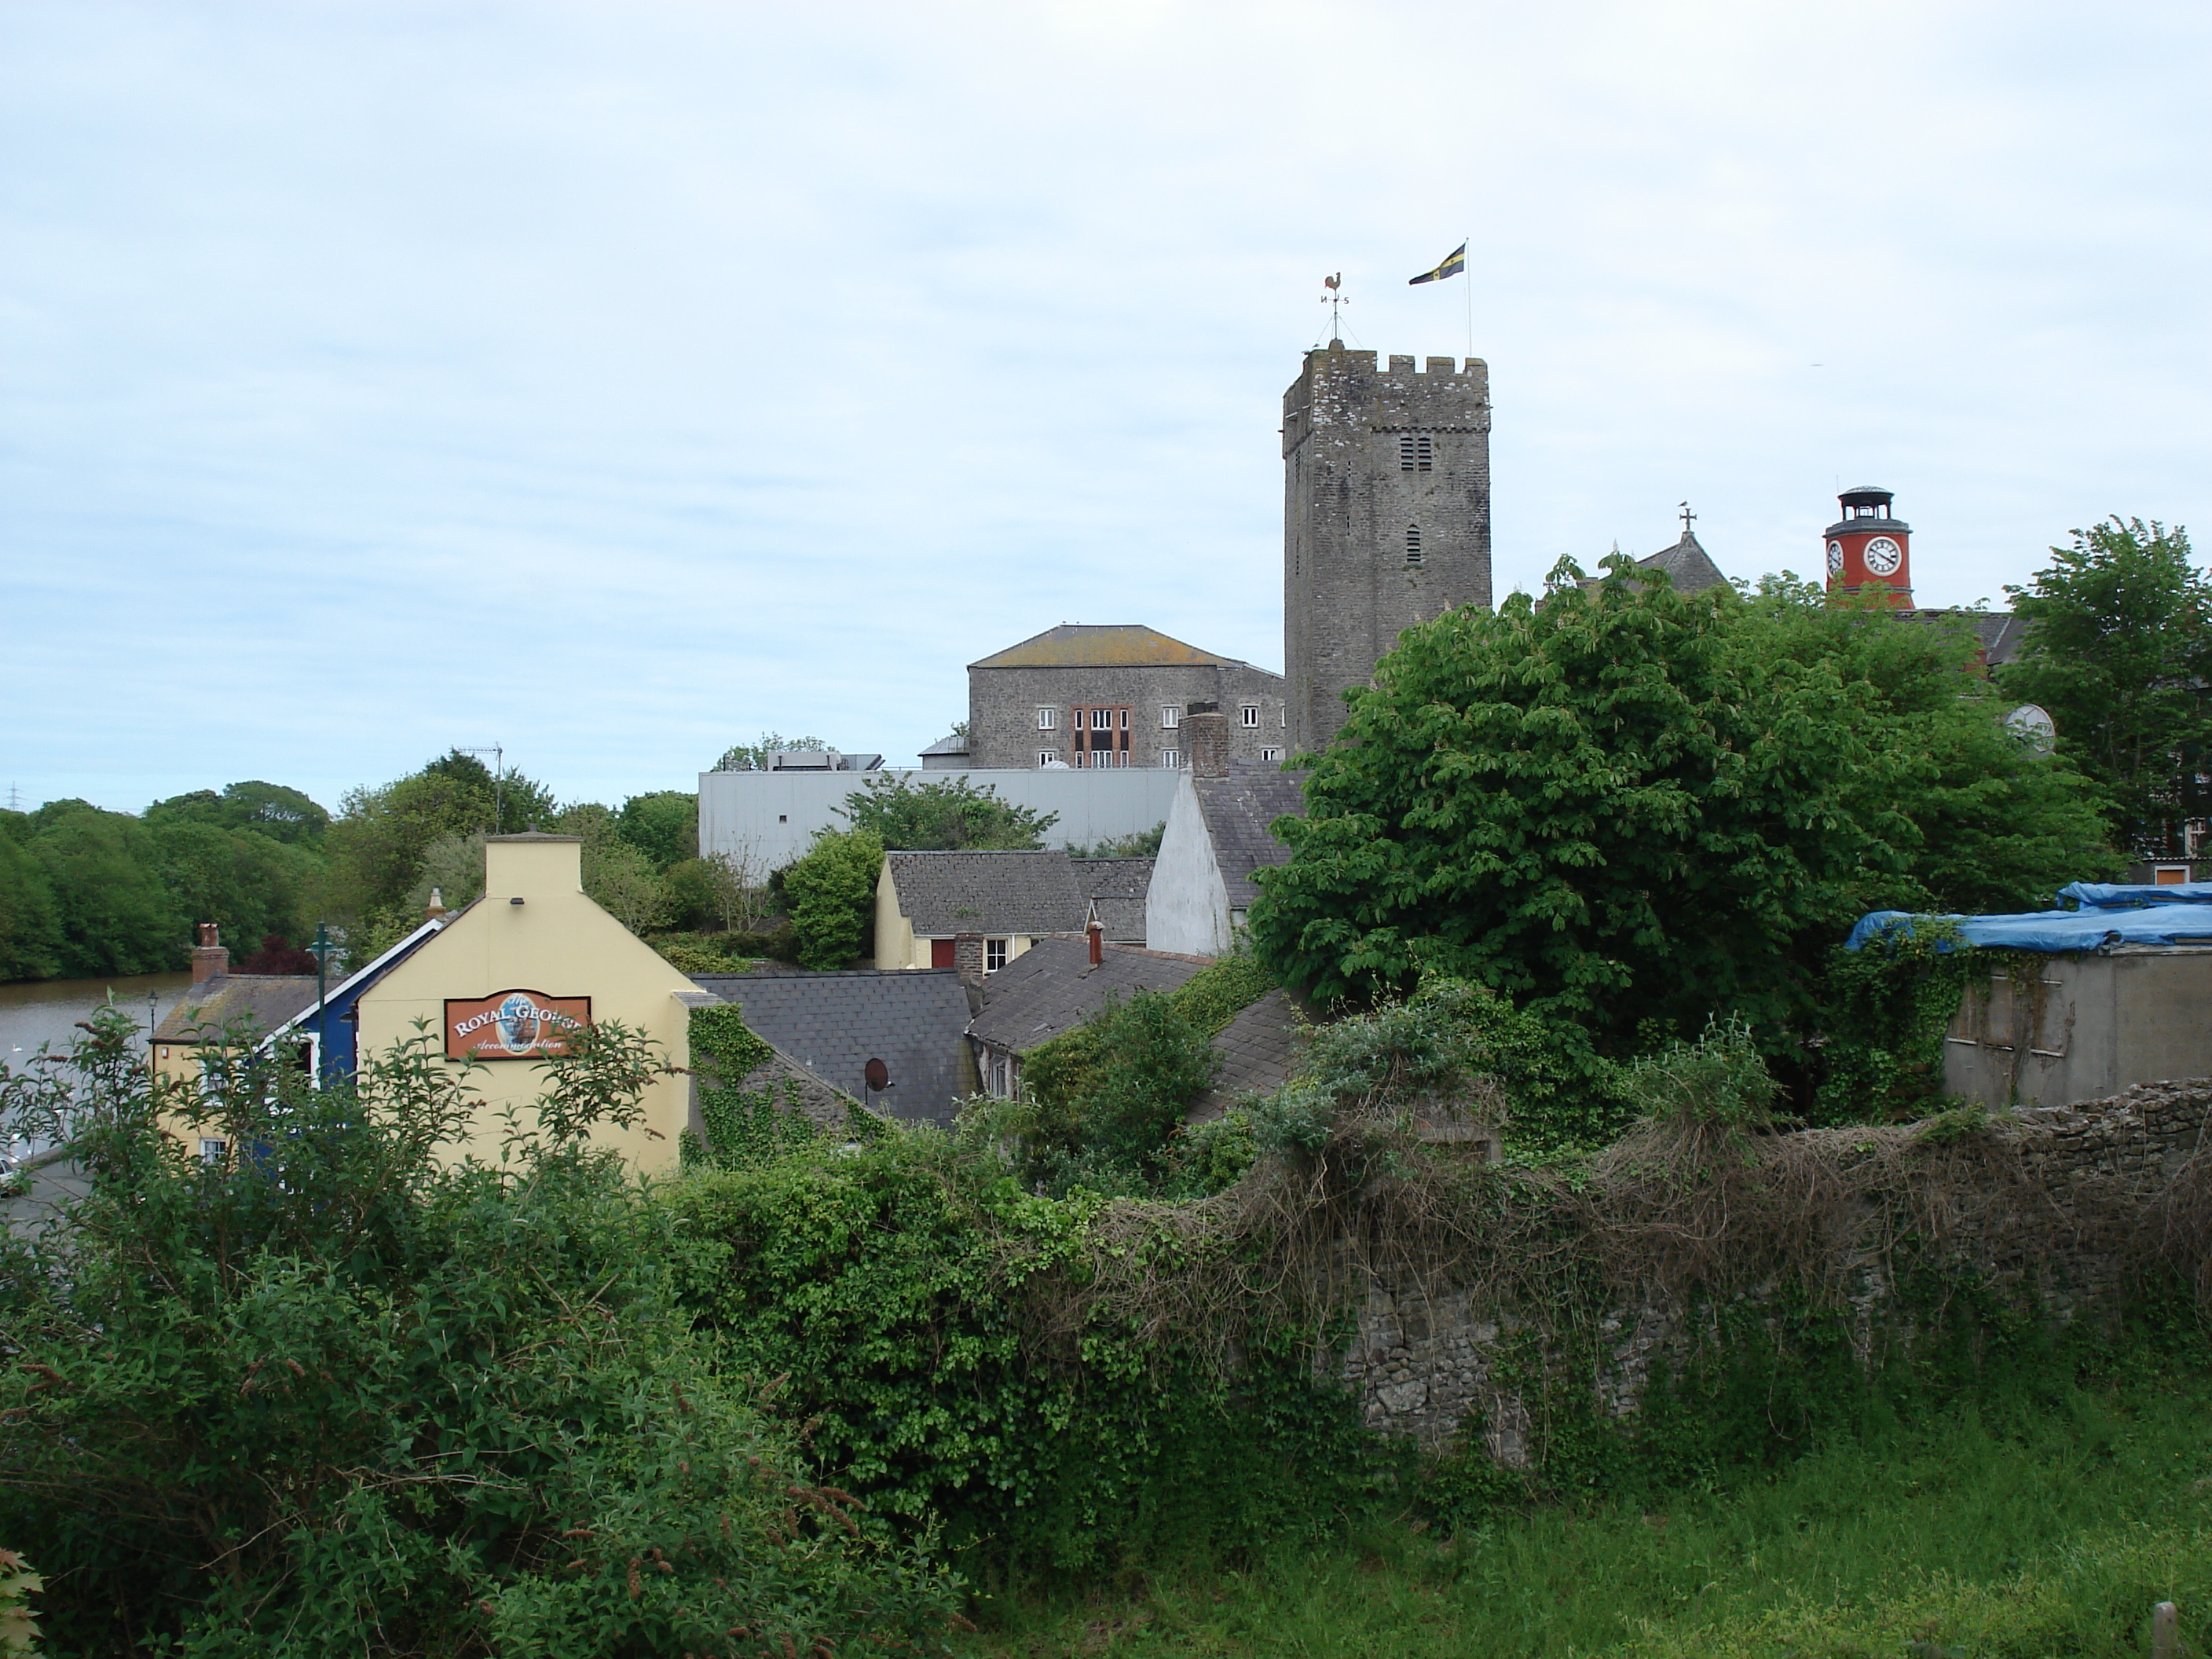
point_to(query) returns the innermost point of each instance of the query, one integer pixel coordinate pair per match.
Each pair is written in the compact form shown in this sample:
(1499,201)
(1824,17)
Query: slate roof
(943,894)
(1104,644)
(1237,810)
(264,1001)
(1257,1049)
(1116,889)
(833,1024)
(954,744)
(2001,632)
(1689,567)
(1053,985)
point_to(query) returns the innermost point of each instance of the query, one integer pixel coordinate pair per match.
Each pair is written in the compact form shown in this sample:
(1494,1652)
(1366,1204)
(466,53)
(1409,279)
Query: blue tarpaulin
(2110,914)
(2113,895)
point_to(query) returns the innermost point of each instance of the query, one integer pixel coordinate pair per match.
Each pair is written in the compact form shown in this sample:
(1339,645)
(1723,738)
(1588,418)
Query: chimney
(968,957)
(1205,739)
(209,957)
(1097,936)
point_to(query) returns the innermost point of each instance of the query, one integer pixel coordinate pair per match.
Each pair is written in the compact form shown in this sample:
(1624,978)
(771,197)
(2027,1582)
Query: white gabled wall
(1187,908)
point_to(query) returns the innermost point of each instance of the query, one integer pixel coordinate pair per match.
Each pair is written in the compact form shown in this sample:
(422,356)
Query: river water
(46,1010)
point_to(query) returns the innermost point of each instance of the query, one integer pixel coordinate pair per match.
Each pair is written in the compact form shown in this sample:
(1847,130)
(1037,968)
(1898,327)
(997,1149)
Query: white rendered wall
(1186,907)
(771,816)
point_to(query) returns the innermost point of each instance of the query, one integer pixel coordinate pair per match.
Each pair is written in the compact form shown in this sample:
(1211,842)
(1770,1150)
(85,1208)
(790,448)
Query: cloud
(620,380)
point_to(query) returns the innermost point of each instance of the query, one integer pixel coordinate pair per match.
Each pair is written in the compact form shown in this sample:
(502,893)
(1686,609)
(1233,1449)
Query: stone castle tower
(1386,516)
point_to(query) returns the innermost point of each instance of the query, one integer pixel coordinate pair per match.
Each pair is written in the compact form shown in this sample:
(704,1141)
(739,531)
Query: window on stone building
(1047,756)
(1170,717)
(1171,758)
(1270,754)
(1249,713)
(1417,452)
(994,955)
(1412,544)
(1047,719)
(1101,735)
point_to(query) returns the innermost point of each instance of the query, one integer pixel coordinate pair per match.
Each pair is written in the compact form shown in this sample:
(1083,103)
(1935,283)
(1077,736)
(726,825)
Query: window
(994,955)
(1249,714)
(1413,546)
(1047,756)
(212,1149)
(1101,733)
(1170,717)
(1270,754)
(1417,452)
(1171,758)
(1283,717)
(1047,719)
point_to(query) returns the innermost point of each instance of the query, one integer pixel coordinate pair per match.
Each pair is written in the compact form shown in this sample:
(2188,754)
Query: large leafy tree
(1630,804)
(2120,653)
(948,816)
(382,836)
(113,912)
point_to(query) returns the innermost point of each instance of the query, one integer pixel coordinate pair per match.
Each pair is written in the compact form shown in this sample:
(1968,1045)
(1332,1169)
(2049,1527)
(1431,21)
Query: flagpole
(1469,274)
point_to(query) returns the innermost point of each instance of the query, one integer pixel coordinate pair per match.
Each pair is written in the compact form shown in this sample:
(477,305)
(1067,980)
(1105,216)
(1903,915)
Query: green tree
(945,816)
(112,911)
(1631,804)
(831,894)
(30,931)
(663,826)
(753,756)
(378,841)
(2120,654)
(270,809)
(249,884)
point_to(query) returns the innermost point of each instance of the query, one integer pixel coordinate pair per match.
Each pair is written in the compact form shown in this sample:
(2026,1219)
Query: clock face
(1835,558)
(1882,555)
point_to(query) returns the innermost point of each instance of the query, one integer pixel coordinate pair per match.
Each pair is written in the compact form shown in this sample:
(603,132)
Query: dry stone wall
(2056,1226)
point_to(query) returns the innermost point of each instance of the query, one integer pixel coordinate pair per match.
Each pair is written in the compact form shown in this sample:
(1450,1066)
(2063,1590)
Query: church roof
(1689,567)
(1104,644)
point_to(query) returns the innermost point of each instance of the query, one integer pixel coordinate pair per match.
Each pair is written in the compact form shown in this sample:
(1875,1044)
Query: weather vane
(1334,299)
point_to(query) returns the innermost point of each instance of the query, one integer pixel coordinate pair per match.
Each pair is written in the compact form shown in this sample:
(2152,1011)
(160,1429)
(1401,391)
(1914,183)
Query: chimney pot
(210,960)
(1205,739)
(1097,936)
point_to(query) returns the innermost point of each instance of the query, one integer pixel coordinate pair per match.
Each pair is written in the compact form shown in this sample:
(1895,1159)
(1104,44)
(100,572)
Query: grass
(2034,1524)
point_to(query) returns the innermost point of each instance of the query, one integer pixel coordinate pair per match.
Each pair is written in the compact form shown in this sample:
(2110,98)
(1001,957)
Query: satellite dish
(2034,727)
(879,1075)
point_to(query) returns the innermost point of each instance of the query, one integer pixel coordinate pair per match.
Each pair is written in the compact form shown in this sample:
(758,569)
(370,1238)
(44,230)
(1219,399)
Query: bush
(921,1312)
(831,892)
(332,1396)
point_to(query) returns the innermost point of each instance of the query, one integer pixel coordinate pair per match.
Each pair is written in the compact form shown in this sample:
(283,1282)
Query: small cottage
(1002,902)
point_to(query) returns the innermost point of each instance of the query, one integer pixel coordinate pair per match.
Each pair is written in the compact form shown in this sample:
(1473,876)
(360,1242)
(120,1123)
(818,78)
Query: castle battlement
(1386,515)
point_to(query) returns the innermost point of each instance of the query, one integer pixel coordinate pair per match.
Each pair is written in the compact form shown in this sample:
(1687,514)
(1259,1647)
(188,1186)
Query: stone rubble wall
(1422,1358)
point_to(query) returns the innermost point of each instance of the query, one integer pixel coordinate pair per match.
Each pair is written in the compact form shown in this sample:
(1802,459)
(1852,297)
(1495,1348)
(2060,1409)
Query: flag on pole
(1455,262)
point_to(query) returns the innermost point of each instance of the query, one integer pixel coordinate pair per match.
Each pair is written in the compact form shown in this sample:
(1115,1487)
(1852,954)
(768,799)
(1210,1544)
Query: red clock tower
(1870,552)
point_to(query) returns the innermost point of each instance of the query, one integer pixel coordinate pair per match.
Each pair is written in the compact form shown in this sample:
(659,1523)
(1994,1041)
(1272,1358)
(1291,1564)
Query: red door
(941,953)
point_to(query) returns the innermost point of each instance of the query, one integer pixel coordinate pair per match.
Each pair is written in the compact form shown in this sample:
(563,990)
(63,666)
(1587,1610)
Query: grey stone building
(1086,695)
(1386,516)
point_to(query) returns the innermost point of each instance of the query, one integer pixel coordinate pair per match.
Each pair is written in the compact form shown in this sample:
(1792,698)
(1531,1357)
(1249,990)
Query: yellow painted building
(534,931)
(498,980)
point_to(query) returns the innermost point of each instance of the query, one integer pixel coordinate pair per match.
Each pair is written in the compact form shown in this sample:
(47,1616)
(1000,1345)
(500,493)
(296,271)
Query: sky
(614,382)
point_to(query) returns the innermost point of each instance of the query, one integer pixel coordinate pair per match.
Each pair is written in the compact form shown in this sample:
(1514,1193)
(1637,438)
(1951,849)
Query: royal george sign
(512,1026)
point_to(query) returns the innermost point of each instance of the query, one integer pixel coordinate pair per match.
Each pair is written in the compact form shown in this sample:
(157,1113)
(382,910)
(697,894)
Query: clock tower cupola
(1869,551)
